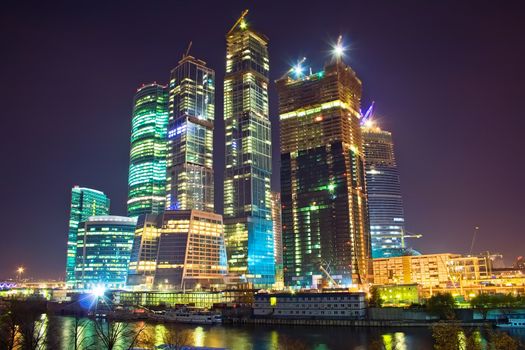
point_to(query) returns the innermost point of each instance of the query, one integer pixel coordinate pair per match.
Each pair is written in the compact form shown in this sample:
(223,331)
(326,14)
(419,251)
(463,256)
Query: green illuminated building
(247,196)
(147,169)
(103,251)
(323,195)
(190,136)
(85,202)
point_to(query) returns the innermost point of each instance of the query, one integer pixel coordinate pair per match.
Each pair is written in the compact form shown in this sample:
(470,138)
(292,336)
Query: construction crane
(243,14)
(368,114)
(410,235)
(330,278)
(301,61)
(476,229)
(187,50)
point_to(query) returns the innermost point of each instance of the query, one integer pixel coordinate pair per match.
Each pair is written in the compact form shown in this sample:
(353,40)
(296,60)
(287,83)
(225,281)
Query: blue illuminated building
(385,203)
(103,252)
(85,202)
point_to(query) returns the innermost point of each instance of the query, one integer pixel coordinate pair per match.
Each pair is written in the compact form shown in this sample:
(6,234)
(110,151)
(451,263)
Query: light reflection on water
(258,337)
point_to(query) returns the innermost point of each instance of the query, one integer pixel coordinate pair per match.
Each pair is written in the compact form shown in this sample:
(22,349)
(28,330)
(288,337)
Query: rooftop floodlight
(298,70)
(338,49)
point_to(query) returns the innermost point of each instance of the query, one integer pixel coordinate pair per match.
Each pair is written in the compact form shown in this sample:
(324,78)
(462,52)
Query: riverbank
(350,323)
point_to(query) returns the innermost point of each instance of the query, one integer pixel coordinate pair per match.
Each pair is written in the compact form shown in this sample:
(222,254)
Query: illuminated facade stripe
(85,202)
(147,169)
(323,197)
(247,194)
(189,182)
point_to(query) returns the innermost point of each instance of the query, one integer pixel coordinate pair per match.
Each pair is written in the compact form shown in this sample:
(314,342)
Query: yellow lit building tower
(248,225)
(323,196)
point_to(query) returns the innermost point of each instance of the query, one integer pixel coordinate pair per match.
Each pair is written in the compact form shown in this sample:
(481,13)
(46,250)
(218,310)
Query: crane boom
(301,61)
(321,267)
(410,235)
(243,14)
(188,50)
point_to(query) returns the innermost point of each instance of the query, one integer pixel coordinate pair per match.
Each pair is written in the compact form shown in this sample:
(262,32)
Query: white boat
(193,316)
(513,321)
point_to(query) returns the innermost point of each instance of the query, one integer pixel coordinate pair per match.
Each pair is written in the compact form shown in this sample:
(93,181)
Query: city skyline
(462,215)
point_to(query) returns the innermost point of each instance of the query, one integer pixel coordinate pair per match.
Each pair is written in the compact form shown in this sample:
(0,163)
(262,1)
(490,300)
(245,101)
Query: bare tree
(33,332)
(177,337)
(78,337)
(501,341)
(9,336)
(447,336)
(113,335)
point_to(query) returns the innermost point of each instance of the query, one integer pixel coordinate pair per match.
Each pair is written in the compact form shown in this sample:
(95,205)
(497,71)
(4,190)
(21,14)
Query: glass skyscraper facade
(103,251)
(247,194)
(385,203)
(190,136)
(323,195)
(178,249)
(147,169)
(85,202)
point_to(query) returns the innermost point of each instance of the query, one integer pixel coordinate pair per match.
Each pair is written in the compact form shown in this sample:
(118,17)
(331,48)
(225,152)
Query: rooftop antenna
(187,50)
(243,14)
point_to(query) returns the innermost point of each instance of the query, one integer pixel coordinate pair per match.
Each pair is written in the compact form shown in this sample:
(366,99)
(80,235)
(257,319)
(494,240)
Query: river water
(258,337)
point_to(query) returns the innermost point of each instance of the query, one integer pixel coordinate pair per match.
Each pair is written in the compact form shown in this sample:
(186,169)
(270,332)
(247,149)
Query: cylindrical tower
(147,169)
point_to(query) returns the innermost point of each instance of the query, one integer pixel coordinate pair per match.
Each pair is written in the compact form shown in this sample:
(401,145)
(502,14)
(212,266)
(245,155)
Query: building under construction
(324,208)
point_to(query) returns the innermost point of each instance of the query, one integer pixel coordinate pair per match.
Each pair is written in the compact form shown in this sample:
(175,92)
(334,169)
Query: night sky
(448,78)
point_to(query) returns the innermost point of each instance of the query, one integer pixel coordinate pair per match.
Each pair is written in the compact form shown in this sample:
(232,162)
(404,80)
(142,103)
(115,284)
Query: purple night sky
(448,78)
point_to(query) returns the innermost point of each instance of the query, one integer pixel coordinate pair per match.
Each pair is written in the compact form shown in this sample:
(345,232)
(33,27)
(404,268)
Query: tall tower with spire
(189,180)
(247,193)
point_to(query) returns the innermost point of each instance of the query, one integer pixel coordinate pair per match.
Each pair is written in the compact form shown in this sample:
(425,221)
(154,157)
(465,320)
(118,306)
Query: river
(258,337)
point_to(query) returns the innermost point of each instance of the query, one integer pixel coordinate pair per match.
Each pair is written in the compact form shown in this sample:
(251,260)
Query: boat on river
(513,321)
(193,316)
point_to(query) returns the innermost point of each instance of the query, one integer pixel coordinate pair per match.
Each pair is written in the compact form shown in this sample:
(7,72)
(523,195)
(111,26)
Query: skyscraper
(385,203)
(247,199)
(147,168)
(324,210)
(178,249)
(190,136)
(103,251)
(85,202)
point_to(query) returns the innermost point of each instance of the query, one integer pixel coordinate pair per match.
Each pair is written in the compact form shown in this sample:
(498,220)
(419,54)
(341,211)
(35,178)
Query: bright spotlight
(98,291)
(338,50)
(298,70)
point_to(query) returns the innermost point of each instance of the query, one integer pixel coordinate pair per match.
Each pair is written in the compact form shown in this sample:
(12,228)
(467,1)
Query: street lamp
(19,271)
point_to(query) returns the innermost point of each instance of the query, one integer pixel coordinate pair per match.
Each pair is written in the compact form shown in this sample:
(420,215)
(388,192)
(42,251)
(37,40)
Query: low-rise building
(431,270)
(343,305)
(399,295)
(178,250)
